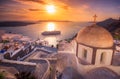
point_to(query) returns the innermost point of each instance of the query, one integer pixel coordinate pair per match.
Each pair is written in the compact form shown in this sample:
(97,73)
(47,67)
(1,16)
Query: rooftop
(95,36)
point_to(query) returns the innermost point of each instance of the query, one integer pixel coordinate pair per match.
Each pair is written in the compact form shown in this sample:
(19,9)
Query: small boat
(51,33)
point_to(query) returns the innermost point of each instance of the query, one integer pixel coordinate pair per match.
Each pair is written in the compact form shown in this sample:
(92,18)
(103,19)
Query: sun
(50,9)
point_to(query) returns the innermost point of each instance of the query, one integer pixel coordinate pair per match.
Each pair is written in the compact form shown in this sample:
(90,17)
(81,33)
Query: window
(85,53)
(102,57)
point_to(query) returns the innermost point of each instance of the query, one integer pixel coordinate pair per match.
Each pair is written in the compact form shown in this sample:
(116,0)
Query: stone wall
(19,65)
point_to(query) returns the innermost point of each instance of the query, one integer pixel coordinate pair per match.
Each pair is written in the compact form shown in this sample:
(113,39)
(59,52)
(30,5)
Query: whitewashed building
(94,45)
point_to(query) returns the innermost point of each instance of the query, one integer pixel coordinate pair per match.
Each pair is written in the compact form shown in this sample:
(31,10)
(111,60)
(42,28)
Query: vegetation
(117,37)
(25,75)
(5,41)
(2,76)
(116,34)
(113,26)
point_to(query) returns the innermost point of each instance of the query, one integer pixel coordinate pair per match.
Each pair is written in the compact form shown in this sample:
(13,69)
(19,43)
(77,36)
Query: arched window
(85,53)
(102,57)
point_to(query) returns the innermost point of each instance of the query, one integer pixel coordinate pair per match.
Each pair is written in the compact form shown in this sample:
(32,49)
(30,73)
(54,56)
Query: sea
(68,30)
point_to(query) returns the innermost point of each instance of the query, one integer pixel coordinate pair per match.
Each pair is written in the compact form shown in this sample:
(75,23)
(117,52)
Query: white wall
(118,48)
(74,45)
(84,69)
(107,56)
(89,53)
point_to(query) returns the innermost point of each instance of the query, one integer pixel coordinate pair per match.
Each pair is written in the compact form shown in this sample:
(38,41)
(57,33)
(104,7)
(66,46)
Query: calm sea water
(68,30)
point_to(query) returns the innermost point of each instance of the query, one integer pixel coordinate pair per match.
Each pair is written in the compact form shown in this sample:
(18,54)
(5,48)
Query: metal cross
(95,16)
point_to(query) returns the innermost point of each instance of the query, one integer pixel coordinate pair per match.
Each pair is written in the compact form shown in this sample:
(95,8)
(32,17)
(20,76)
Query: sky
(72,10)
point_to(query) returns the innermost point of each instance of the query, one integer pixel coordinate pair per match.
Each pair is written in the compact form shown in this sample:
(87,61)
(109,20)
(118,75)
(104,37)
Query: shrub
(2,76)
(24,75)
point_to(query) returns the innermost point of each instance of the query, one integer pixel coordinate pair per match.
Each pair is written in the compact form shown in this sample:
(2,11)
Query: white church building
(94,46)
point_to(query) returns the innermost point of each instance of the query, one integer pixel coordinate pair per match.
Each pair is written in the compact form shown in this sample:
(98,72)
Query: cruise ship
(45,33)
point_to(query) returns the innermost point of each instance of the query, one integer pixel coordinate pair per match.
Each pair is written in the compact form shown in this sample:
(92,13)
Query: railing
(18,62)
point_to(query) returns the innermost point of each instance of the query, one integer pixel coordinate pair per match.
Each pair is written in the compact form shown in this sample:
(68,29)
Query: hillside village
(91,54)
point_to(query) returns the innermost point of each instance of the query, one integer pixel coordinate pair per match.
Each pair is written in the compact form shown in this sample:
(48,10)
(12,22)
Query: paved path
(42,69)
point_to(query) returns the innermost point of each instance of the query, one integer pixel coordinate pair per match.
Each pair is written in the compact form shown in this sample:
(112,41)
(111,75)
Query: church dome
(95,36)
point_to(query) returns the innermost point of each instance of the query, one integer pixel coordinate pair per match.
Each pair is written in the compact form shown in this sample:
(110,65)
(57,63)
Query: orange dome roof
(95,36)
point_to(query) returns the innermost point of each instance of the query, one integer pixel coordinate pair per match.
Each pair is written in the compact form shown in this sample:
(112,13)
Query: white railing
(18,62)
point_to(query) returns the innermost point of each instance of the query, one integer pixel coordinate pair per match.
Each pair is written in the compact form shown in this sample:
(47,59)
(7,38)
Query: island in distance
(25,23)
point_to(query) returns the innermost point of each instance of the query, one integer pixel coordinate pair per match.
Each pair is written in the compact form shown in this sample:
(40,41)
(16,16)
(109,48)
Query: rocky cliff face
(112,26)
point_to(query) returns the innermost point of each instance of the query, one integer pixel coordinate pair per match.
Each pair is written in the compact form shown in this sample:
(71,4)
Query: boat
(45,33)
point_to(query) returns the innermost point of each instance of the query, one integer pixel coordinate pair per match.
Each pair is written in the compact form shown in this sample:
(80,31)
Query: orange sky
(73,10)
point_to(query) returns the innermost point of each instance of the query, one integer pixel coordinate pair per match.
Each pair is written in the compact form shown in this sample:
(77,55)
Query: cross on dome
(95,16)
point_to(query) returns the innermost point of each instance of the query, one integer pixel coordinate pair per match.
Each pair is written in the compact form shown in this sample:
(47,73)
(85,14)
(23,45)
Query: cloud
(9,2)
(6,1)
(85,6)
(34,9)
(118,7)
(12,16)
(2,9)
(37,1)
(57,3)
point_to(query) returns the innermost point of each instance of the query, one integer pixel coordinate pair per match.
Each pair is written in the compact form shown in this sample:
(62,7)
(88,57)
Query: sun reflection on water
(51,26)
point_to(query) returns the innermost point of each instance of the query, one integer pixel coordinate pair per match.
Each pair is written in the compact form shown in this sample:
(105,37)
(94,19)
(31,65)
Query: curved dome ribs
(95,36)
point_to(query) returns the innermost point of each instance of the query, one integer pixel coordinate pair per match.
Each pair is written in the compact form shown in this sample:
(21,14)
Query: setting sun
(50,9)
(51,26)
